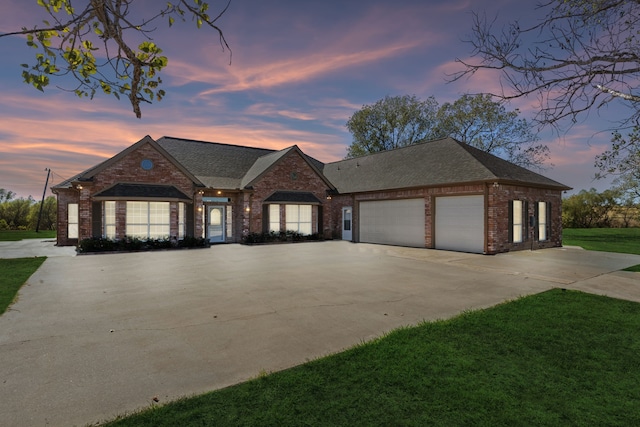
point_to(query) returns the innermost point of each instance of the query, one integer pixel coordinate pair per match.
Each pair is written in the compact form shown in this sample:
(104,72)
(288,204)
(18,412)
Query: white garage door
(393,222)
(460,223)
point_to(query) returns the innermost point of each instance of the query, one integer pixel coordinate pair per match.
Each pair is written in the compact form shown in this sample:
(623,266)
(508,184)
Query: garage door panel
(393,222)
(459,224)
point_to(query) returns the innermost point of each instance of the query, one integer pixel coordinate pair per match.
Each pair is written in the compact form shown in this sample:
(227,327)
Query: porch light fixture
(495,185)
(201,192)
(79,187)
(218,192)
(247,209)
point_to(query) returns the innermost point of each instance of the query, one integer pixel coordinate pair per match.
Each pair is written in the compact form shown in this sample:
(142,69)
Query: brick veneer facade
(124,170)
(293,172)
(497,223)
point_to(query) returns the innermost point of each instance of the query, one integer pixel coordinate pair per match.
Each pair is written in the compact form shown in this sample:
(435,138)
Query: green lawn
(14,235)
(622,240)
(13,274)
(555,359)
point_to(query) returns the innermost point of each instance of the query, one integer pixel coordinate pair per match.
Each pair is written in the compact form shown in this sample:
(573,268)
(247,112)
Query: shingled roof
(440,162)
(215,165)
(435,163)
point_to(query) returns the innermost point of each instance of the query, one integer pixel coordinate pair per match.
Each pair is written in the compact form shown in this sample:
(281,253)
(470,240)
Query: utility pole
(44,192)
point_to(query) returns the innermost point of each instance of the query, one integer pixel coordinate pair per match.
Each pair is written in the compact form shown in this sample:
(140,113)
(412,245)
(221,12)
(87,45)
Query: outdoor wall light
(79,187)
(495,185)
(219,192)
(248,209)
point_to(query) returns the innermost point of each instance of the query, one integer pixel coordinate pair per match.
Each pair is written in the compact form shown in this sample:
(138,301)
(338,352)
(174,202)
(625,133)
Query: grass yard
(15,235)
(622,240)
(13,274)
(558,358)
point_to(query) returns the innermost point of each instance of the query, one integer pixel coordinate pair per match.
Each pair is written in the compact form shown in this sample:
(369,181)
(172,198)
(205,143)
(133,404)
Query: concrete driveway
(95,336)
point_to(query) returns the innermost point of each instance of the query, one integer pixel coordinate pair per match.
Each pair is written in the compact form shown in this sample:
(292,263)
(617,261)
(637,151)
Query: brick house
(441,194)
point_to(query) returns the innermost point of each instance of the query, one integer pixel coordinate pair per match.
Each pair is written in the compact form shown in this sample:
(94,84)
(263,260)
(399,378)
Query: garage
(393,222)
(460,223)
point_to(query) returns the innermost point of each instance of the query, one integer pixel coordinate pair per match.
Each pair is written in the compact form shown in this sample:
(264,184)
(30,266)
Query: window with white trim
(181,220)
(72,221)
(299,218)
(517,221)
(542,221)
(109,219)
(274,218)
(148,220)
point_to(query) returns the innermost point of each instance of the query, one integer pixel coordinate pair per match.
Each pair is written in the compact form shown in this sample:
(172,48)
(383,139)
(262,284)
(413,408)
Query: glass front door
(216,227)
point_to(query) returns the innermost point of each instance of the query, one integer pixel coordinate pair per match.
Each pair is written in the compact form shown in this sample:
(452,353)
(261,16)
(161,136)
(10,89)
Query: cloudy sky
(300,69)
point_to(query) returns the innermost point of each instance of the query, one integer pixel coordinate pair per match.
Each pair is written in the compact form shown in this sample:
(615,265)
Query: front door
(215,228)
(347,214)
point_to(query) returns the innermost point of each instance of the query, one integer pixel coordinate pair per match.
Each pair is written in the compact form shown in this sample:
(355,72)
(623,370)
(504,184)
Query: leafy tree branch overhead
(97,43)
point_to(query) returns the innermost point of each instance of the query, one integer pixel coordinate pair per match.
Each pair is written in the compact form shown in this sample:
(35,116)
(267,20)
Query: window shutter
(265,218)
(320,230)
(189,220)
(96,219)
(510,221)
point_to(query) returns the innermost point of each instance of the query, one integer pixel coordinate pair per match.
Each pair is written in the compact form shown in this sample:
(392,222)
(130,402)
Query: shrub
(102,244)
(96,244)
(193,242)
(275,236)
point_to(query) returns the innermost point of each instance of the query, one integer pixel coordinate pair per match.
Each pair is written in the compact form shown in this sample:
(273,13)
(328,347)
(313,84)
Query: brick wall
(496,203)
(499,199)
(124,170)
(65,196)
(291,173)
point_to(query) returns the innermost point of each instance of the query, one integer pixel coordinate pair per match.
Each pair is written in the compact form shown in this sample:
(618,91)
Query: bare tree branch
(584,54)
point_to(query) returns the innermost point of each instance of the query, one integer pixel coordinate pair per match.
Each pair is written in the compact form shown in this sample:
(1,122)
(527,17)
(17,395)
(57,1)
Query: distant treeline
(610,208)
(22,214)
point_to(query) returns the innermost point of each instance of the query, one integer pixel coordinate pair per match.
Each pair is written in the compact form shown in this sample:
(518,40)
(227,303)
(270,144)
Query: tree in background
(6,195)
(107,29)
(589,209)
(22,214)
(15,213)
(487,125)
(582,56)
(390,123)
(399,121)
(48,217)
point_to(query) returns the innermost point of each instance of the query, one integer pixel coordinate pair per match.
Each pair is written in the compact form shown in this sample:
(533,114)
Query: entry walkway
(95,336)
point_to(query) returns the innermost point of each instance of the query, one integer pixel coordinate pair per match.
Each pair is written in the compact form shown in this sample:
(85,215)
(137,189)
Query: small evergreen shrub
(134,244)
(277,237)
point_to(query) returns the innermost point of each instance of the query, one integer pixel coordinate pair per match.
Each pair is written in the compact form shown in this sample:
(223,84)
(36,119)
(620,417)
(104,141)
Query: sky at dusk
(299,70)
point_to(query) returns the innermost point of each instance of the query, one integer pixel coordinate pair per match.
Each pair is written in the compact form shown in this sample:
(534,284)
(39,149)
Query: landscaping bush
(278,237)
(193,242)
(134,244)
